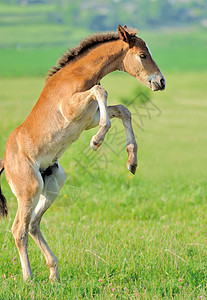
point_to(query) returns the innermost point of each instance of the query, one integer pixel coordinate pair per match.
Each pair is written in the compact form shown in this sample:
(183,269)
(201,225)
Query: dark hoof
(132,168)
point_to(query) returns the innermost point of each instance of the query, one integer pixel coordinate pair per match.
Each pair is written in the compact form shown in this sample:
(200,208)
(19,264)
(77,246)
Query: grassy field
(119,236)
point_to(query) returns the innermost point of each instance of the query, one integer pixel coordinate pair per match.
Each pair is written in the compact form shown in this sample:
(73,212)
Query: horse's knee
(20,235)
(21,223)
(99,92)
(52,262)
(33,228)
(125,112)
(15,230)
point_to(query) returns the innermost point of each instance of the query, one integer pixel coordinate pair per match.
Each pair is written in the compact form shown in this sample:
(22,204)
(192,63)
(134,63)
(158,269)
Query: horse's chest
(74,129)
(65,136)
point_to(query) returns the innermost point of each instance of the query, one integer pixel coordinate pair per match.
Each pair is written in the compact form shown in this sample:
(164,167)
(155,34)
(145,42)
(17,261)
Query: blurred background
(33,33)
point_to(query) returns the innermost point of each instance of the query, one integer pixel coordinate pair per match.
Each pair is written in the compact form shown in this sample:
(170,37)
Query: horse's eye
(142,55)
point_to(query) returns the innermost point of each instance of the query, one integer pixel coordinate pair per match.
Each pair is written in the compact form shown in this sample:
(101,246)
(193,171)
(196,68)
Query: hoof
(29,278)
(54,279)
(54,276)
(132,168)
(94,145)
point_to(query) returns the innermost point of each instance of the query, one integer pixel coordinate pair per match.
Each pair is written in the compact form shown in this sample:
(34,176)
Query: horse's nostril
(162,82)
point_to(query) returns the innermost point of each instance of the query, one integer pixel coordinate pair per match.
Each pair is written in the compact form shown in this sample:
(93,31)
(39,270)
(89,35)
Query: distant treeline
(106,14)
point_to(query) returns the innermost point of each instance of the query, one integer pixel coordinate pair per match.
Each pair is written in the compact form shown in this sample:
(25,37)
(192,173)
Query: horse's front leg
(121,112)
(104,121)
(79,104)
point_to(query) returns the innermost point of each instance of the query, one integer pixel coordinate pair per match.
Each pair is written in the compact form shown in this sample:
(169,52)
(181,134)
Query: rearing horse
(72,100)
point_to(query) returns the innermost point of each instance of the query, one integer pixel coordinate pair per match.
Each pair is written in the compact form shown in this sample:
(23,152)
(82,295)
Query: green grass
(144,236)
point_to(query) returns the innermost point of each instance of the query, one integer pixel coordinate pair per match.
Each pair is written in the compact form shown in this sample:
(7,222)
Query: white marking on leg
(26,269)
(63,114)
(12,188)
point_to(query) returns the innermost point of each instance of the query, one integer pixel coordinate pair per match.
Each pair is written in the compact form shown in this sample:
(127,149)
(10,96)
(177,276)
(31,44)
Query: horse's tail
(3,202)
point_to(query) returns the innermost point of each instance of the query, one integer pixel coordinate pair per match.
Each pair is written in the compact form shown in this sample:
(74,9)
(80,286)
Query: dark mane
(84,45)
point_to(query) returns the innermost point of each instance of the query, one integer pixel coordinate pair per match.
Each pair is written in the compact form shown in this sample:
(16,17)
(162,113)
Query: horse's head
(138,60)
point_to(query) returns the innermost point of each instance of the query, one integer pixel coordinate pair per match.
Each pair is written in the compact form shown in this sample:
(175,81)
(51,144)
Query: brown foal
(72,100)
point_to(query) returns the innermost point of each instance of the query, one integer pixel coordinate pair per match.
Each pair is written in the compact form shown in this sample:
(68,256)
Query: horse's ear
(123,34)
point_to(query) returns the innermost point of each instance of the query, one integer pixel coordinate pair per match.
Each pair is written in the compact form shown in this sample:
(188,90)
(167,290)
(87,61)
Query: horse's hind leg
(52,187)
(26,184)
(20,233)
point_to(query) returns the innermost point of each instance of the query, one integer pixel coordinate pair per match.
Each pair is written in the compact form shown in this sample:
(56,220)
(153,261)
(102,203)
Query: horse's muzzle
(157,82)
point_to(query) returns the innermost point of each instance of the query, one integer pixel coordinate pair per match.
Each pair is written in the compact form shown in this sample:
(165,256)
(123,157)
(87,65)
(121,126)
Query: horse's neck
(104,59)
(110,56)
